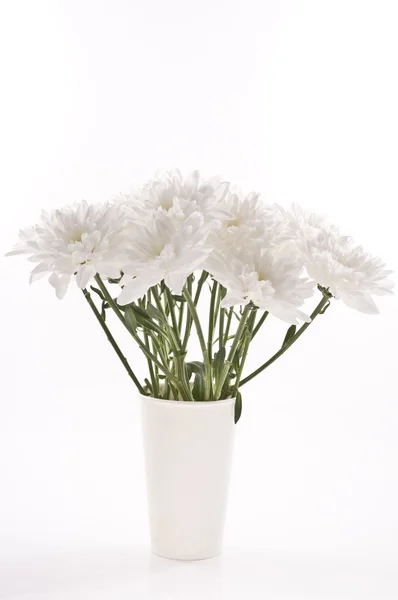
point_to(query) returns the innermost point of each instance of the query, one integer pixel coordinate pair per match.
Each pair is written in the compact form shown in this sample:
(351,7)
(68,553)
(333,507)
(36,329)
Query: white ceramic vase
(188,451)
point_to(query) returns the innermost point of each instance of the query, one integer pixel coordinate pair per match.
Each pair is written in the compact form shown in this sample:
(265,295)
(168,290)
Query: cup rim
(198,403)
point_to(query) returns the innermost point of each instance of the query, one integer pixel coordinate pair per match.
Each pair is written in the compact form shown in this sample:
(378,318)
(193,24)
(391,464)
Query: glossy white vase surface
(188,450)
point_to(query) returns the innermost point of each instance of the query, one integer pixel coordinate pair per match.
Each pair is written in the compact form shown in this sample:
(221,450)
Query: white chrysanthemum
(311,226)
(304,226)
(172,194)
(163,249)
(248,212)
(265,278)
(347,271)
(81,240)
(252,223)
(335,263)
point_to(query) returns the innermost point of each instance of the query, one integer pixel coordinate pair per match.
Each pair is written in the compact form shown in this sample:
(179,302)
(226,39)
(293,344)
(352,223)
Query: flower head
(179,197)
(174,225)
(252,223)
(265,278)
(162,248)
(79,240)
(348,272)
(336,263)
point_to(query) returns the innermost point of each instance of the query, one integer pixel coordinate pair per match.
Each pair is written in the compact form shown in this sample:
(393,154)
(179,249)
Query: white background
(297,99)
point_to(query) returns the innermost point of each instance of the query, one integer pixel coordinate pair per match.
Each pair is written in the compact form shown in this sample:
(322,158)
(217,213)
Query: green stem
(170,303)
(140,343)
(259,324)
(178,352)
(218,304)
(231,354)
(154,380)
(212,315)
(151,368)
(221,328)
(181,317)
(246,343)
(159,349)
(159,305)
(155,368)
(228,327)
(189,322)
(155,293)
(168,308)
(322,304)
(112,341)
(204,275)
(202,342)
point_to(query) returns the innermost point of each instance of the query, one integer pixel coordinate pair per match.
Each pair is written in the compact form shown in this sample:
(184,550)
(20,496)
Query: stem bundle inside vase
(154,259)
(162,323)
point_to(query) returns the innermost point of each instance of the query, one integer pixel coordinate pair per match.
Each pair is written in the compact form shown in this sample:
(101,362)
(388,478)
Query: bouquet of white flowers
(148,256)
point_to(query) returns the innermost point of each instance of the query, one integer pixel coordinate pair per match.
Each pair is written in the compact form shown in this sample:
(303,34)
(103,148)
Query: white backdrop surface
(297,99)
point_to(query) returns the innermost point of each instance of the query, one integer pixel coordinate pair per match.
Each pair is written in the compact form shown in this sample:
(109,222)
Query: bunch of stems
(161,325)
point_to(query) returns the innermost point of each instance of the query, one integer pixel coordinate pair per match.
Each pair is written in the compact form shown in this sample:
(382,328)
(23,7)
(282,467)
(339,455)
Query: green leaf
(97,291)
(219,360)
(141,311)
(122,307)
(289,334)
(117,280)
(236,359)
(178,298)
(104,306)
(194,367)
(230,337)
(143,320)
(325,307)
(325,291)
(129,318)
(155,313)
(198,390)
(148,384)
(238,406)
(204,275)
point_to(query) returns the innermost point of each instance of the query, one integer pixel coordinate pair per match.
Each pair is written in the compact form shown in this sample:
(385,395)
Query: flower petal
(176,280)
(39,271)
(363,303)
(84,274)
(138,287)
(232,299)
(60,283)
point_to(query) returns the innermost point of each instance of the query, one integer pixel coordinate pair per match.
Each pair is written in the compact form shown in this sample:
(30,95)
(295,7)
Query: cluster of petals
(265,278)
(76,241)
(178,197)
(163,249)
(335,262)
(173,226)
